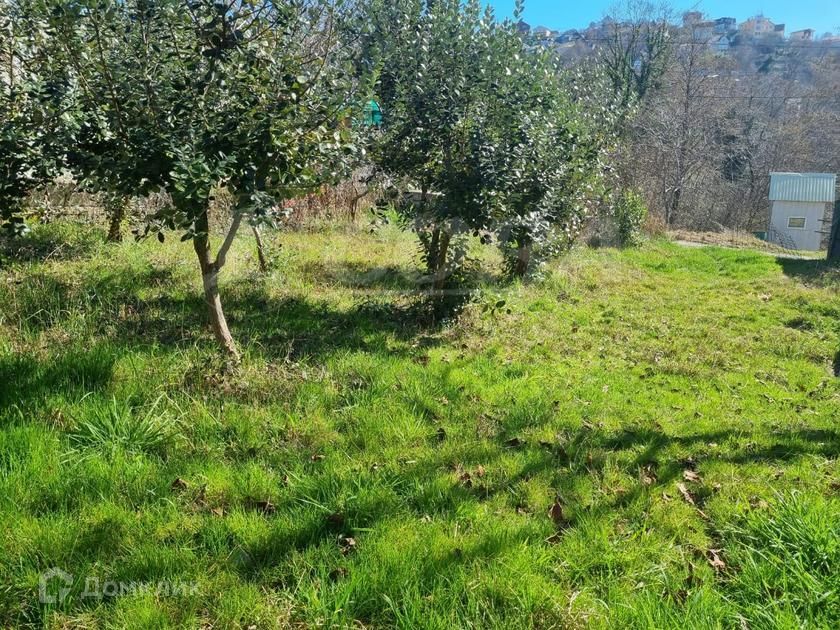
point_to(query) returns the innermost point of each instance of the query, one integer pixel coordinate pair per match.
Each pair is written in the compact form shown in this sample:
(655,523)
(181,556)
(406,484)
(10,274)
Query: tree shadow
(390,278)
(60,241)
(573,455)
(816,273)
(25,378)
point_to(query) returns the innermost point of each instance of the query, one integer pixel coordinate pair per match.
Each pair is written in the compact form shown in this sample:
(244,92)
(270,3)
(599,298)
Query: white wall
(810,238)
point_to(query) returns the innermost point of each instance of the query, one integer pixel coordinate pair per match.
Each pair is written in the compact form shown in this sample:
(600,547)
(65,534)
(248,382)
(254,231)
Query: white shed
(801,209)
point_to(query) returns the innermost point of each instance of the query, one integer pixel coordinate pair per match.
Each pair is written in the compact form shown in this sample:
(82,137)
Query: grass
(362,469)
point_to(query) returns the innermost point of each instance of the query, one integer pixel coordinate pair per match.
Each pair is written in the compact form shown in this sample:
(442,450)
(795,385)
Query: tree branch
(221,257)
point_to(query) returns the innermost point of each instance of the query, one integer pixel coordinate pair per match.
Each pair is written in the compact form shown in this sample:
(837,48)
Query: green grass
(128,455)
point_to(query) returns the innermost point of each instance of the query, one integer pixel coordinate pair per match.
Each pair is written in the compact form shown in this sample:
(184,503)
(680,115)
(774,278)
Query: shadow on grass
(579,454)
(389,278)
(60,241)
(76,372)
(817,273)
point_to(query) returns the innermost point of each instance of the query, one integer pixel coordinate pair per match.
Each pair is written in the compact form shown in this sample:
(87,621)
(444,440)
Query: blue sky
(822,15)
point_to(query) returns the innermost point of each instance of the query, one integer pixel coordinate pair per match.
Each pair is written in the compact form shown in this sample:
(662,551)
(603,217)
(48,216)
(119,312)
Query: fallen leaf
(690,475)
(648,475)
(758,503)
(466,479)
(690,500)
(555,512)
(715,561)
(480,472)
(317,458)
(347,544)
(686,494)
(179,484)
(667,497)
(217,511)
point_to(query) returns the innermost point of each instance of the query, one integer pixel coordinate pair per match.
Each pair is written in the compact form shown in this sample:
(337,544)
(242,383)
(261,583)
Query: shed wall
(810,238)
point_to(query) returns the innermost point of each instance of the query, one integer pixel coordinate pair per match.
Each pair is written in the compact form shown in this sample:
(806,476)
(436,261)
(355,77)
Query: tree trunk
(116,213)
(523,259)
(260,249)
(432,253)
(210,279)
(834,239)
(442,251)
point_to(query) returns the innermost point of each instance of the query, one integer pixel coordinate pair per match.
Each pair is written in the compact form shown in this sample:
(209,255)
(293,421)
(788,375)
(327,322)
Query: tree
(545,136)
(36,109)
(190,97)
(636,48)
(433,89)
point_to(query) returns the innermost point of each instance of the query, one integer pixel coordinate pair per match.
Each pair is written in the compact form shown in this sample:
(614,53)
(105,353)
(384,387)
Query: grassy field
(646,438)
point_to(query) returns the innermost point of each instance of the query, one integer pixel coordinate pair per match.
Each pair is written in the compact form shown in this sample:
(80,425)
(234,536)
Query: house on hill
(720,44)
(805,35)
(543,32)
(760,26)
(725,25)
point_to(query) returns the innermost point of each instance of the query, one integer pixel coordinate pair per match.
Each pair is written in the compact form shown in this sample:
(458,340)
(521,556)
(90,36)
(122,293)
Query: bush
(630,214)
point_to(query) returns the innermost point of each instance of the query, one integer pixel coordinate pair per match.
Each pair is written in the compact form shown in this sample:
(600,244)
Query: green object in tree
(373,113)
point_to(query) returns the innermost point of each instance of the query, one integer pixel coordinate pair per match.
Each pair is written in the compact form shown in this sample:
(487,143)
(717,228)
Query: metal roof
(816,187)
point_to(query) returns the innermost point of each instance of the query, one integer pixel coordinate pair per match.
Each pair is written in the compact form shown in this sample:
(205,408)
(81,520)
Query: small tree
(544,140)
(433,88)
(189,97)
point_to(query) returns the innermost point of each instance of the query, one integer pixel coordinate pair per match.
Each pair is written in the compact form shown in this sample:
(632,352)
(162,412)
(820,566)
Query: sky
(821,15)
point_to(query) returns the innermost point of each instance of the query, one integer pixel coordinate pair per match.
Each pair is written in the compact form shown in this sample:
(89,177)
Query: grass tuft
(117,426)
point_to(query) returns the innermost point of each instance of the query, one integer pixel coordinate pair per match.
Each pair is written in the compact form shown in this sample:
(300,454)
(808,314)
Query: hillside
(647,438)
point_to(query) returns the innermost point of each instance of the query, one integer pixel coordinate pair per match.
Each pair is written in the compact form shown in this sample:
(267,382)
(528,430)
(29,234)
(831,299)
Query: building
(720,44)
(725,25)
(805,35)
(702,31)
(801,209)
(759,26)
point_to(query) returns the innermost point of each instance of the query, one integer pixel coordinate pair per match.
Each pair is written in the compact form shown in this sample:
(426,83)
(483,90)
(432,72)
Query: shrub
(630,213)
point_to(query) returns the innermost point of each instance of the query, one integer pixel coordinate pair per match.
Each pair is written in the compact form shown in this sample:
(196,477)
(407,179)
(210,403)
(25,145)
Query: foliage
(629,213)
(36,109)
(186,97)
(497,143)
(545,139)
